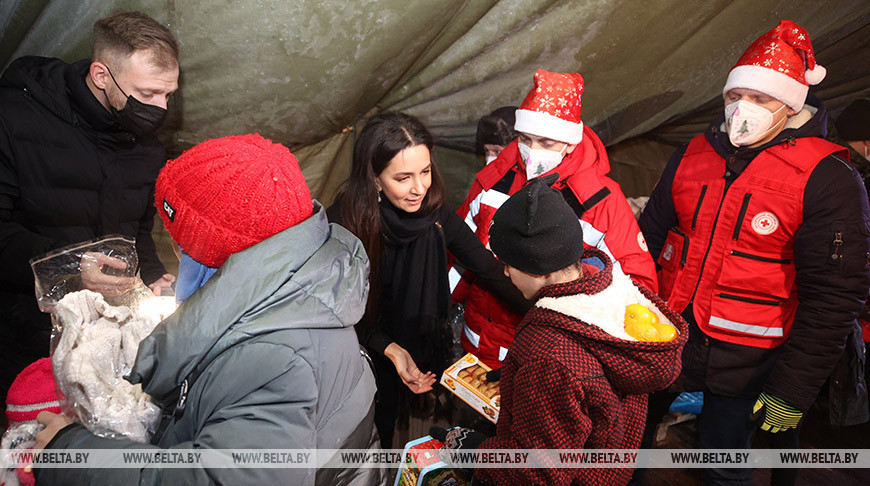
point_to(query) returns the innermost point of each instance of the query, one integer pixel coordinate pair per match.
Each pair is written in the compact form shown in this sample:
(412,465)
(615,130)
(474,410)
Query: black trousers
(726,423)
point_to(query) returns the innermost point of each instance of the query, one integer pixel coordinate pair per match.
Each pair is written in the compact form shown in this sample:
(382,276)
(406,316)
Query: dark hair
(121,33)
(497,128)
(382,138)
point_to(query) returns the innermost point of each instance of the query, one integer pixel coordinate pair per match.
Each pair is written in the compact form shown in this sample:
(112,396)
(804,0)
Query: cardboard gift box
(466,378)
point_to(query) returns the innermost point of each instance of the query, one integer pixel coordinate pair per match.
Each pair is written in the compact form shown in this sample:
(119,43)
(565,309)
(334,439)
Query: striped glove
(778,415)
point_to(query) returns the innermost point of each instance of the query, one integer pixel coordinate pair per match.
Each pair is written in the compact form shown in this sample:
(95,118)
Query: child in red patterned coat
(573,378)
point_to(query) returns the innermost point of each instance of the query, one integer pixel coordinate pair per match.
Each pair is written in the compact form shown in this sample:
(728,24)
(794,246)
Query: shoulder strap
(580,208)
(504,184)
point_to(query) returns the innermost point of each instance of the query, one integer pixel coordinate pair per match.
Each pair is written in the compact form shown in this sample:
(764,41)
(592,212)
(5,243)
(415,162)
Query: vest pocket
(752,294)
(675,251)
(760,276)
(758,317)
(672,260)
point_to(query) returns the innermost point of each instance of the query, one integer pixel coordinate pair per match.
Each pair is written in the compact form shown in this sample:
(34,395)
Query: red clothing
(741,270)
(608,225)
(569,384)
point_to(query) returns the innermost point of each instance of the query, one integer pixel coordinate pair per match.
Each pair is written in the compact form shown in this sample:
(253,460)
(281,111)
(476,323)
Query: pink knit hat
(781,63)
(32,391)
(230,193)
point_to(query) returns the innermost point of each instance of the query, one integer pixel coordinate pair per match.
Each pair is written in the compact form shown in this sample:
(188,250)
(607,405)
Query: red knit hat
(32,391)
(230,193)
(552,108)
(781,64)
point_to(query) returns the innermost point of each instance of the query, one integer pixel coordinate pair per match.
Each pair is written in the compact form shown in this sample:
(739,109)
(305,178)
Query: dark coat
(570,384)
(68,173)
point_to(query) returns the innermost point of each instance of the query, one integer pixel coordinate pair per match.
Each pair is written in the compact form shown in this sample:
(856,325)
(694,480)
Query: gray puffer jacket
(268,353)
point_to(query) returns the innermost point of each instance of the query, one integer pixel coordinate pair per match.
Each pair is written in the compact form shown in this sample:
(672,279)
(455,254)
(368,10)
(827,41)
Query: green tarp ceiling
(302,72)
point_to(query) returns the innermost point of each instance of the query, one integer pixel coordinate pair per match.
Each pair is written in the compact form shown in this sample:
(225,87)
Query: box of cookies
(466,378)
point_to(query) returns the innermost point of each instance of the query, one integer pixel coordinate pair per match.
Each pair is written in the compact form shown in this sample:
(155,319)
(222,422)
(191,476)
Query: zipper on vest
(760,258)
(749,299)
(684,254)
(698,207)
(710,243)
(742,214)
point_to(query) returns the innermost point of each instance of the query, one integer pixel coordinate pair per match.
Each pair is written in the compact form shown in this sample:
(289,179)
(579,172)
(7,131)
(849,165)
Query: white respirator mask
(748,123)
(540,161)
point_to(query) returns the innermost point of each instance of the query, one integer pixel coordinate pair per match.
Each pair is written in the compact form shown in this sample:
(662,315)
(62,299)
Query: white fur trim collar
(606,309)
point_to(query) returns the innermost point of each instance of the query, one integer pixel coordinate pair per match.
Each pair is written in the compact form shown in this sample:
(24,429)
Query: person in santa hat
(551,138)
(759,227)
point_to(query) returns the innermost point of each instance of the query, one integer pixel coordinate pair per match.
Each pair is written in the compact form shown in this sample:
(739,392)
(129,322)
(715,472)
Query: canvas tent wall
(305,72)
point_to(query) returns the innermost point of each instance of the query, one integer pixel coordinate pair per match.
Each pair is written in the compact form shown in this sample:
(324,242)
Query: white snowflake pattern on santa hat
(781,63)
(552,107)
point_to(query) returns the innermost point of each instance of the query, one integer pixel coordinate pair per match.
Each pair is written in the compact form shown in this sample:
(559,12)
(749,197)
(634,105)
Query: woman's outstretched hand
(417,381)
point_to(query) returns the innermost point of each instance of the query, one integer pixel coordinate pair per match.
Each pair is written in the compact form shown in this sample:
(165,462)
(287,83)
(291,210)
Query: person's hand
(163,286)
(94,279)
(411,376)
(778,415)
(53,423)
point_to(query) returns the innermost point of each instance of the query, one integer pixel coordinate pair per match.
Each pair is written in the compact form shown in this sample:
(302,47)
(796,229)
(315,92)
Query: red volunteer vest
(732,253)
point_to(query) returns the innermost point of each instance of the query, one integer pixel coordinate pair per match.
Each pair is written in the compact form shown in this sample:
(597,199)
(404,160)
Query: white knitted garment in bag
(97,347)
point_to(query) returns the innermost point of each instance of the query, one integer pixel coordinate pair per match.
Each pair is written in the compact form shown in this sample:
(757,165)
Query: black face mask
(136,117)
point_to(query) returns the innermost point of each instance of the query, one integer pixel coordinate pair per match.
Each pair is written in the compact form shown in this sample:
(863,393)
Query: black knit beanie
(536,231)
(853,124)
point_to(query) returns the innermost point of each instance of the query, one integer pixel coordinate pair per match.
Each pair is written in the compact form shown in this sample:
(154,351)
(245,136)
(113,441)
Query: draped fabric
(301,73)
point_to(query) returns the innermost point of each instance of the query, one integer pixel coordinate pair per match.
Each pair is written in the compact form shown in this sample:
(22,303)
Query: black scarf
(415,291)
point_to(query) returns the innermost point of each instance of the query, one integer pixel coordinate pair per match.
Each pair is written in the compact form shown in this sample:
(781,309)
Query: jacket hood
(596,305)
(311,276)
(44,79)
(61,88)
(811,121)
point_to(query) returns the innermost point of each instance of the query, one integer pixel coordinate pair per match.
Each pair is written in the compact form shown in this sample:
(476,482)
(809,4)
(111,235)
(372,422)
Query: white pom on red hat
(552,107)
(781,63)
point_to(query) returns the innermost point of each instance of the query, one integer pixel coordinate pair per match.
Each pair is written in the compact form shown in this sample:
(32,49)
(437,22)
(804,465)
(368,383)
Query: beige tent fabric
(301,73)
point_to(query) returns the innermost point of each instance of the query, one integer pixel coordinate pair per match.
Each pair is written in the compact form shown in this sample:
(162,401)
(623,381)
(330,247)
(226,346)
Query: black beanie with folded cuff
(536,231)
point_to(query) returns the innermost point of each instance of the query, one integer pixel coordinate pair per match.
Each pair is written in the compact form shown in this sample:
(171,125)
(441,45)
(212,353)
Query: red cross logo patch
(765,223)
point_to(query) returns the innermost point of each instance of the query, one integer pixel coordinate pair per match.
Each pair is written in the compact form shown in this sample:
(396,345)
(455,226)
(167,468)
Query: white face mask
(540,161)
(748,123)
(490,158)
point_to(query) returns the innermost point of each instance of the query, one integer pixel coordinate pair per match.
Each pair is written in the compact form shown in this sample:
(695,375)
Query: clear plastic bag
(59,272)
(456,320)
(95,338)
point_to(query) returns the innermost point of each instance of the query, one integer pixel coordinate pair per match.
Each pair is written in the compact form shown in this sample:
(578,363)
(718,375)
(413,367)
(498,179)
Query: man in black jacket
(759,228)
(78,160)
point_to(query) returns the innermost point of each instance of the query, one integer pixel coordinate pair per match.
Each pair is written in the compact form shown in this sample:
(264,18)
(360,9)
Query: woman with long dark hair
(394,202)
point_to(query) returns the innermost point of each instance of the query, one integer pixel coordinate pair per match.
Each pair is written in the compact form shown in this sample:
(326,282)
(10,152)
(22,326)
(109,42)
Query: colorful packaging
(466,378)
(422,466)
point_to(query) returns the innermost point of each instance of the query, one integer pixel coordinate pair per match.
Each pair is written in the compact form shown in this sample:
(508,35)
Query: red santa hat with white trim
(781,64)
(552,107)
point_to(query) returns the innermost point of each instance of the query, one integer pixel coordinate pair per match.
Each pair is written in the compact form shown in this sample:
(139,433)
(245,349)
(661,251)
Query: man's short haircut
(121,33)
